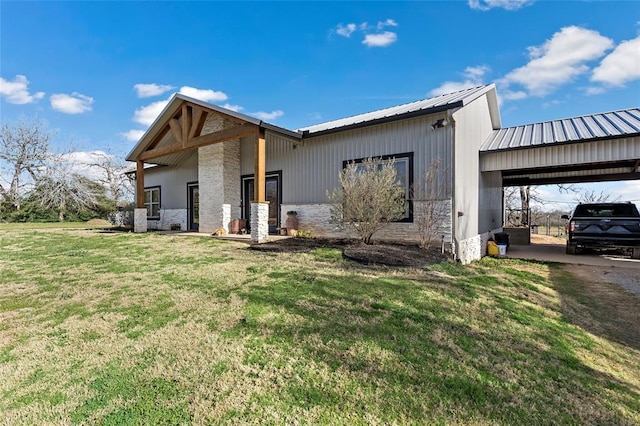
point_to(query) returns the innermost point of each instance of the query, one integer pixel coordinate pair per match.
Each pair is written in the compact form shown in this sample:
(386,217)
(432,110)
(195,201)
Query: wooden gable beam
(198,120)
(186,122)
(176,129)
(200,141)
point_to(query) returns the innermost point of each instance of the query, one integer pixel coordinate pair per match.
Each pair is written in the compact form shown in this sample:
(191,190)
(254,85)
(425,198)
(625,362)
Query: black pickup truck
(604,225)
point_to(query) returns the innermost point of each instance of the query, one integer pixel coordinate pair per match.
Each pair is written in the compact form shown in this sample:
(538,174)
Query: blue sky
(99,72)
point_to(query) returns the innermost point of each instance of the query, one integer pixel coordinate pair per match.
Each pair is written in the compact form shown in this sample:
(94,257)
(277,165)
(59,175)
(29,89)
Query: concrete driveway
(556,253)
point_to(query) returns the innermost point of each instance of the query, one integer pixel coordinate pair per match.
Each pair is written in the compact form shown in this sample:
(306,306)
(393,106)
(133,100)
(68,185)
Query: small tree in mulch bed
(430,206)
(368,198)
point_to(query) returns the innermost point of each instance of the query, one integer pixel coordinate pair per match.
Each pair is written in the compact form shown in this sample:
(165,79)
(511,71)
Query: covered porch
(187,127)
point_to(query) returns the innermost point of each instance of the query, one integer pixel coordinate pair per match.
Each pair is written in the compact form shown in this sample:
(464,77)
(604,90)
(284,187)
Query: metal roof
(425,106)
(608,125)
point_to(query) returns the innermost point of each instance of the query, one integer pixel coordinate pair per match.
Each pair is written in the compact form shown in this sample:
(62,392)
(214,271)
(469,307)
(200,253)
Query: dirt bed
(375,254)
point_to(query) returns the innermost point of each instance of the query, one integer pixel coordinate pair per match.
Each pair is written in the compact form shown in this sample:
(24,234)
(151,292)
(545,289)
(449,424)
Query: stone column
(140,220)
(259,222)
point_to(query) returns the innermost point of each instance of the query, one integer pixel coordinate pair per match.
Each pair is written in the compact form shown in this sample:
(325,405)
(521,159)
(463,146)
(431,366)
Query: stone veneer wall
(259,222)
(218,179)
(167,218)
(140,220)
(316,218)
(474,248)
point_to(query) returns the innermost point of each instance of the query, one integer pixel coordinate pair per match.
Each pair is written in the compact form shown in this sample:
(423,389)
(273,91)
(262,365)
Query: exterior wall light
(439,123)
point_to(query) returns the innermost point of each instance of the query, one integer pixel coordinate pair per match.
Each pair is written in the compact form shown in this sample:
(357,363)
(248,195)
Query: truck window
(620,210)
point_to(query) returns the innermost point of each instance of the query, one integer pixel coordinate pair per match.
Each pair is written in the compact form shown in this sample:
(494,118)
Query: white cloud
(152,89)
(472,77)
(620,66)
(17,91)
(147,114)
(379,39)
(511,95)
(268,115)
(628,190)
(74,103)
(345,30)
(383,39)
(205,95)
(132,135)
(594,90)
(503,4)
(236,108)
(559,60)
(551,103)
(388,23)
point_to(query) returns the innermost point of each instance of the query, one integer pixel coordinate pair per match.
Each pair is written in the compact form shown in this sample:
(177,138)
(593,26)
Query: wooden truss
(186,126)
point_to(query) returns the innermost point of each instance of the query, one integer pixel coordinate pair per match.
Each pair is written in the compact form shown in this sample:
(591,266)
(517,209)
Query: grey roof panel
(442,102)
(613,124)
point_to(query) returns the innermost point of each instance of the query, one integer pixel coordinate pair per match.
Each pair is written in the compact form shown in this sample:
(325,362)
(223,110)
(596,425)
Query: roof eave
(411,114)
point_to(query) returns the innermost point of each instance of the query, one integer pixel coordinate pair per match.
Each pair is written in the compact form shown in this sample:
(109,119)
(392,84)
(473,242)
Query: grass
(12,226)
(115,328)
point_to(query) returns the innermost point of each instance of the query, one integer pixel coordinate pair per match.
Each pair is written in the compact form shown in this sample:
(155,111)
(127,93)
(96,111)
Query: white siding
(561,155)
(310,169)
(472,127)
(173,182)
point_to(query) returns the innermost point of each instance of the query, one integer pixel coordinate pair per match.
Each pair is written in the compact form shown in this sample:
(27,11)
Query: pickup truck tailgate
(615,230)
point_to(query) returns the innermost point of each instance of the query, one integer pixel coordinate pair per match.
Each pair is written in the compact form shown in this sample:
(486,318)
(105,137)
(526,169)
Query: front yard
(120,328)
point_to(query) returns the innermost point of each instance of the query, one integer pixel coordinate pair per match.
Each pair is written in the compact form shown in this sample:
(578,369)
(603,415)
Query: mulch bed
(388,254)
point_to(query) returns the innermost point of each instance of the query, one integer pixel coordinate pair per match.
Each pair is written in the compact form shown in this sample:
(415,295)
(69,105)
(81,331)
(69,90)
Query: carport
(592,148)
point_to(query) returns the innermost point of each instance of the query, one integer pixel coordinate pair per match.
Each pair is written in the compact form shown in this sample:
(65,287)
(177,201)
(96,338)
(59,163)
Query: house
(211,165)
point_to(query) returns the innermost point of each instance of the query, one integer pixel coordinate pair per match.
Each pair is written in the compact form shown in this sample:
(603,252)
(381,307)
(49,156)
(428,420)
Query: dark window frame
(150,203)
(244,208)
(402,156)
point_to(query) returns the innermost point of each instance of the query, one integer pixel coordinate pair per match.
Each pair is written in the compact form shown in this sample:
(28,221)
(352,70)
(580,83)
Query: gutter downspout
(454,216)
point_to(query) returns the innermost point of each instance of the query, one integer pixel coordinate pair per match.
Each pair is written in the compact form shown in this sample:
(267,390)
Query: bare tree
(590,196)
(61,188)
(368,198)
(430,205)
(112,174)
(23,149)
(518,201)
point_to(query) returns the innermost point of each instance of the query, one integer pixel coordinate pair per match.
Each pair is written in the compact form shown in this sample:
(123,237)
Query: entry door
(272,189)
(194,206)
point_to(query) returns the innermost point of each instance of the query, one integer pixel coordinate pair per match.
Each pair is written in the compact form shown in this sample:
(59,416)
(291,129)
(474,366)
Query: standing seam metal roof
(606,125)
(442,102)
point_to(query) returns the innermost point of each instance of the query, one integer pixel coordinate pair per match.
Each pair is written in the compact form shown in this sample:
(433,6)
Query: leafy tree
(368,198)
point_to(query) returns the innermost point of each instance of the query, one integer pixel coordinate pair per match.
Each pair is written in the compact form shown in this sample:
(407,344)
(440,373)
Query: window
(152,202)
(404,169)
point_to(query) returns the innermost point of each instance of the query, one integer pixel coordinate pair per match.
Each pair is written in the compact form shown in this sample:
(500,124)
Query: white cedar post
(259,206)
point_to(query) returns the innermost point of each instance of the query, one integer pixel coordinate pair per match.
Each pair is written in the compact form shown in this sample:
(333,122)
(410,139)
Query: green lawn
(123,329)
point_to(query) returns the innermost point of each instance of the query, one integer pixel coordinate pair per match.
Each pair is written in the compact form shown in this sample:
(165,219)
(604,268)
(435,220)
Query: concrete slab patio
(556,253)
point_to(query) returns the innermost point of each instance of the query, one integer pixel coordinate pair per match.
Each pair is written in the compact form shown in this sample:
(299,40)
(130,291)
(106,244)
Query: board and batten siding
(173,182)
(476,209)
(561,154)
(310,168)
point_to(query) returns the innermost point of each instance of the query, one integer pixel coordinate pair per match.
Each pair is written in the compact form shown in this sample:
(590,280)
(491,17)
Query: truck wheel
(572,248)
(635,254)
